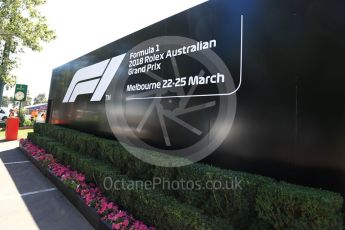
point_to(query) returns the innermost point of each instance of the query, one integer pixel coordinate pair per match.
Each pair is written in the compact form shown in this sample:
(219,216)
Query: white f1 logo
(93,79)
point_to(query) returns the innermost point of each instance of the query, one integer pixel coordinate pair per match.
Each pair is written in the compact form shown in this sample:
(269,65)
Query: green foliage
(153,207)
(164,211)
(27,123)
(21,118)
(233,196)
(28,100)
(287,206)
(6,101)
(237,203)
(72,184)
(248,201)
(40,98)
(21,25)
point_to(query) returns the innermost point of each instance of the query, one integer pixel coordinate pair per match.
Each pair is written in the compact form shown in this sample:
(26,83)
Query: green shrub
(2,125)
(151,206)
(233,196)
(45,142)
(258,203)
(287,206)
(235,203)
(21,119)
(165,212)
(27,123)
(32,137)
(91,145)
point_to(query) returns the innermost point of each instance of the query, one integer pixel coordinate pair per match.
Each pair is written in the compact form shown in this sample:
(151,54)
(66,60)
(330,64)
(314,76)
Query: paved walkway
(27,198)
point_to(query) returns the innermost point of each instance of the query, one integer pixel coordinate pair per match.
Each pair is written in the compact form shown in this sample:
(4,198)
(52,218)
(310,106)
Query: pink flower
(125,223)
(116,226)
(120,214)
(103,208)
(110,205)
(88,199)
(80,177)
(90,192)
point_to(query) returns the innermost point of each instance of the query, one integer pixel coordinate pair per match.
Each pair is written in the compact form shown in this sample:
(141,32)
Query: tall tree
(21,25)
(28,100)
(5,101)
(41,98)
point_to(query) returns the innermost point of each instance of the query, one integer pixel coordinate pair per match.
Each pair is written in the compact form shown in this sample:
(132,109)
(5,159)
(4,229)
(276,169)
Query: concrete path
(27,198)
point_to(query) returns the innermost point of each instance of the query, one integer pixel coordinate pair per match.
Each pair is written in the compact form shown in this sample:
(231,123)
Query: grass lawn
(21,133)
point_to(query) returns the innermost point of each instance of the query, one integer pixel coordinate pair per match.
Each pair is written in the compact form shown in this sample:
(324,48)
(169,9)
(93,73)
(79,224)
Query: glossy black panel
(289,121)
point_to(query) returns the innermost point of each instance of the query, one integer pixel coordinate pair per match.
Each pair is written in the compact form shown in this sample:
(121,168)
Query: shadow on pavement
(45,209)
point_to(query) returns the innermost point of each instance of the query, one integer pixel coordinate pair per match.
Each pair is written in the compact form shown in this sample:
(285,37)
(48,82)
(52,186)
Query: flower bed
(108,211)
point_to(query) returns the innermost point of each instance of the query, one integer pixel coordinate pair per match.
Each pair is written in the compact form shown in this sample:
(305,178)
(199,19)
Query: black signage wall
(248,85)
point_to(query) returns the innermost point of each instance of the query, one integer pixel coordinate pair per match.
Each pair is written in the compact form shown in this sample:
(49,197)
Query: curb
(90,214)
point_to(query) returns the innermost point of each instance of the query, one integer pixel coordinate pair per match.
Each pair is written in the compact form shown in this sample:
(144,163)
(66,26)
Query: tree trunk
(3,67)
(1,91)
